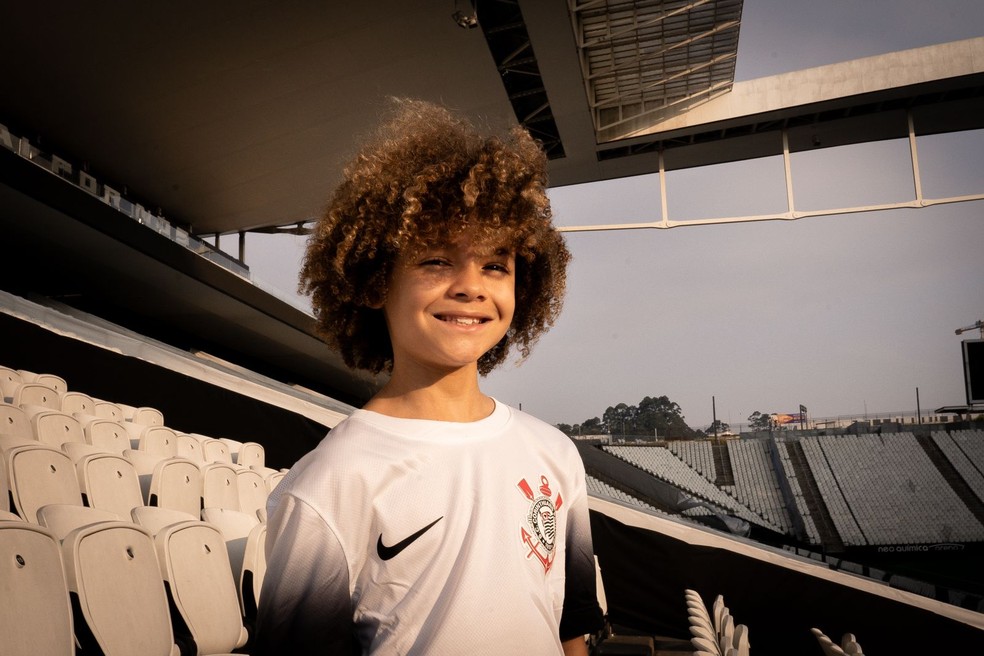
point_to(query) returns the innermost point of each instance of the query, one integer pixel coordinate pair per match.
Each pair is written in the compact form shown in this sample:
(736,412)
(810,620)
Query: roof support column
(664,206)
(790,201)
(914,155)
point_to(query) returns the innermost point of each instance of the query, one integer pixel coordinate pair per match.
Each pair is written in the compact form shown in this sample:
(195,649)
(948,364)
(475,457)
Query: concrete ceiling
(232,116)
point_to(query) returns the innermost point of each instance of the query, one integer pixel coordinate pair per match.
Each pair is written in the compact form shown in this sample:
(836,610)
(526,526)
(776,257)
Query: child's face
(448,305)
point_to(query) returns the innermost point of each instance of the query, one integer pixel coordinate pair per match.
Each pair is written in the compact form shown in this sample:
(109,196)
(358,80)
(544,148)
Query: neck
(441,396)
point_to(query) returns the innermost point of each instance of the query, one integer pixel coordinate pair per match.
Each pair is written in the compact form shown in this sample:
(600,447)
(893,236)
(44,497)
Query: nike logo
(385,552)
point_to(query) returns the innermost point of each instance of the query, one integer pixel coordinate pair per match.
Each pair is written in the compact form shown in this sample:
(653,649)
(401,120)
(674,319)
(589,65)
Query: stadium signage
(920,548)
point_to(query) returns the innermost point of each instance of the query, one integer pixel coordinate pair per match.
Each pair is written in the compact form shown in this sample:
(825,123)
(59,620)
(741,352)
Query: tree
(653,417)
(664,417)
(718,427)
(759,421)
(620,420)
(592,427)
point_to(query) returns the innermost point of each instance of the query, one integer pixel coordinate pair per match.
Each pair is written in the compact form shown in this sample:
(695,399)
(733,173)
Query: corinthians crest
(541,520)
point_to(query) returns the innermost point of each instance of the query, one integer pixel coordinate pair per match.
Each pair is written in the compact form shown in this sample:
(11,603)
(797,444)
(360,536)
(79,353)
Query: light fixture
(466,20)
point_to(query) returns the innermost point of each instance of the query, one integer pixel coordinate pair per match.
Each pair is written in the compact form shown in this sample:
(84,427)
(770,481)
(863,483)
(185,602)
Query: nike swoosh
(385,553)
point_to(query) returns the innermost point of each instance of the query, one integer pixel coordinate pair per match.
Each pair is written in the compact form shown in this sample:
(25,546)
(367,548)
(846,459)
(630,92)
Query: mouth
(460,320)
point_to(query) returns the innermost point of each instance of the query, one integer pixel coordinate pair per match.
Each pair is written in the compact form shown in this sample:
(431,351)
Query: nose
(468,283)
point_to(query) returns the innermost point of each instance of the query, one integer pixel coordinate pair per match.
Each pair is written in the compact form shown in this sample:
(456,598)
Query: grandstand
(881,492)
(153,392)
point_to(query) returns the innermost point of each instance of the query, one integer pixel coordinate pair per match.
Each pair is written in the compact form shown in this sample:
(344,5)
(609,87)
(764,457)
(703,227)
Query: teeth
(463,321)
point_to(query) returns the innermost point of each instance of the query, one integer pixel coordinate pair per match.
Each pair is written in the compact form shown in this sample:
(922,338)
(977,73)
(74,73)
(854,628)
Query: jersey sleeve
(305,605)
(582,614)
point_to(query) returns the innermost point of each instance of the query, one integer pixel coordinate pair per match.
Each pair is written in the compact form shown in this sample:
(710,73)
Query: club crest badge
(540,532)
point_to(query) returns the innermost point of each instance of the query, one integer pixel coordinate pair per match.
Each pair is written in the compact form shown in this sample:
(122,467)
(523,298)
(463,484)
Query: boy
(434,520)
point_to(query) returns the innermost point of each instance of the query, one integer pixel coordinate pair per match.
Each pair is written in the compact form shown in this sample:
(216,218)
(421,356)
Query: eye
(434,262)
(498,267)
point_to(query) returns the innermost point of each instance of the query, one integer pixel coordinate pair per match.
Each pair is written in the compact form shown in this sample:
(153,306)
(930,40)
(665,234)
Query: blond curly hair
(426,178)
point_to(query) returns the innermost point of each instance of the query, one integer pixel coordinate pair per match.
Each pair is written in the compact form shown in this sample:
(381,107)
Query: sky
(847,315)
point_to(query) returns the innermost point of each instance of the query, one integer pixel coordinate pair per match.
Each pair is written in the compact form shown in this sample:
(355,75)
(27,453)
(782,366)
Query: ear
(375,300)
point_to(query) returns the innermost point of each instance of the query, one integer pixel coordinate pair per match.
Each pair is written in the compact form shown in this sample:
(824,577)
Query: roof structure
(642,61)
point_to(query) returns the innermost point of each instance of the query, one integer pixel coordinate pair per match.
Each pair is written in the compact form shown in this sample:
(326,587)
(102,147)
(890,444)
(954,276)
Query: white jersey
(405,536)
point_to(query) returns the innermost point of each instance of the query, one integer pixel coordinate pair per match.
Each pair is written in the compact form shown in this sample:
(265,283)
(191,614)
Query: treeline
(652,418)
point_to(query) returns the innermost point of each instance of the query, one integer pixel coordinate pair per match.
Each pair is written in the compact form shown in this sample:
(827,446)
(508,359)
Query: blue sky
(844,314)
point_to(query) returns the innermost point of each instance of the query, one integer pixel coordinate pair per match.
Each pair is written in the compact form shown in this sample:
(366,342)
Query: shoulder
(546,436)
(337,457)
(542,428)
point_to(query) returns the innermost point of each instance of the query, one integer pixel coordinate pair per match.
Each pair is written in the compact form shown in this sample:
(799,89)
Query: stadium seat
(826,644)
(39,475)
(237,529)
(54,427)
(36,394)
(252,455)
(177,484)
(8,442)
(53,381)
(740,642)
(106,434)
(253,491)
(850,645)
(113,570)
(62,518)
(234,447)
(4,488)
(195,564)
(155,519)
(14,421)
(191,448)
(35,607)
(273,480)
(215,451)
(108,410)
(254,569)
(78,450)
(158,440)
(9,380)
(220,486)
(143,415)
(72,402)
(174,483)
(697,612)
(715,632)
(109,482)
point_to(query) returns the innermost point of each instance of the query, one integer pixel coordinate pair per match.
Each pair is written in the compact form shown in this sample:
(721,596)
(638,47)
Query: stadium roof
(232,116)
(235,116)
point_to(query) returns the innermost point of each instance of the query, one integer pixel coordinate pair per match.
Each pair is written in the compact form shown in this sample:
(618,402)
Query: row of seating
(714,633)
(914,503)
(756,484)
(800,506)
(877,489)
(82,576)
(964,450)
(848,646)
(662,463)
(103,471)
(152,539)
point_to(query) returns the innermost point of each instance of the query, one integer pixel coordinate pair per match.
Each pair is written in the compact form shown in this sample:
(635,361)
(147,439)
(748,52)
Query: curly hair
(426,178)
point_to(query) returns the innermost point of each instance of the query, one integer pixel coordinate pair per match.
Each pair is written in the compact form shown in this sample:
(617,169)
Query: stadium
(155,392)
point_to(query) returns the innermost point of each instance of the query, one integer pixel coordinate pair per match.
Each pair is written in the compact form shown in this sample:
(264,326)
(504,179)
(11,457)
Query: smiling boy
(434,520)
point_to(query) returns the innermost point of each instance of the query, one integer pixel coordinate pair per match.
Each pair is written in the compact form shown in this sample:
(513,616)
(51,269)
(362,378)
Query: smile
(462,321)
